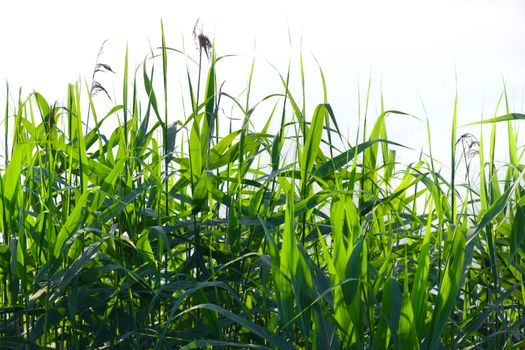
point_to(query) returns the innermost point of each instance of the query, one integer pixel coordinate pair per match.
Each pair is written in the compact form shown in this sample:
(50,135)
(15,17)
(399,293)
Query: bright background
(414,52)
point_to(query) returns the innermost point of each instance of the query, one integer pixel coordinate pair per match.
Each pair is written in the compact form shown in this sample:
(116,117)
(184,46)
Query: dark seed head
(201,40)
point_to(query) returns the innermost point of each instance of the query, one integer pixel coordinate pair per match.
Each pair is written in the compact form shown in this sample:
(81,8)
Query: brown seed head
(201,40)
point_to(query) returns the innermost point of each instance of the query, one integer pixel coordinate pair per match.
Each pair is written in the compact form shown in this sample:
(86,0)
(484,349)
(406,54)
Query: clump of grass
(208,239)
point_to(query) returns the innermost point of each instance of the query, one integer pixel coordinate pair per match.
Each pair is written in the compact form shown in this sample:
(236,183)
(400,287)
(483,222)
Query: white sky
(410,49)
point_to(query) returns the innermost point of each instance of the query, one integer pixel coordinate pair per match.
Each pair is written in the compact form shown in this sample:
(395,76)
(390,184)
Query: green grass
(174,232)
